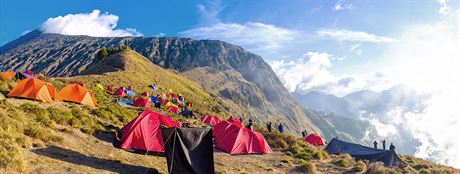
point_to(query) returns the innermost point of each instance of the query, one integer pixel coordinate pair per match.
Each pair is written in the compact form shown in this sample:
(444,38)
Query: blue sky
(331,46)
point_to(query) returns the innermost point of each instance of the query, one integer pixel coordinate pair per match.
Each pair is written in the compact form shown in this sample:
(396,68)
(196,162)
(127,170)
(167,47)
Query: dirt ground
(82,153)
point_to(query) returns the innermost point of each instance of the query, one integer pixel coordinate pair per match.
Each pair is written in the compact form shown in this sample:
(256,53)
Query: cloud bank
(312,72)
(357,36)
(252,36)
(90,24)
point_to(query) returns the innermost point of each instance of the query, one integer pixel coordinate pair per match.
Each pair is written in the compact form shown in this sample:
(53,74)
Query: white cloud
(358,36)
(252,36)
(444,8)
(25,32)
(311,72)
(341,5)
(91,24)
(427,59)
(209,12)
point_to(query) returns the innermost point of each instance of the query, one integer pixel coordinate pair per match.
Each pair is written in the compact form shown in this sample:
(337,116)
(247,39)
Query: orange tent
(35,89)
(9,75)
(78,94)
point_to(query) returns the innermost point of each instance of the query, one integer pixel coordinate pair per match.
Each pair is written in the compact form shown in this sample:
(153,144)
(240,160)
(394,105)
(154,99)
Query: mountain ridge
(60,55)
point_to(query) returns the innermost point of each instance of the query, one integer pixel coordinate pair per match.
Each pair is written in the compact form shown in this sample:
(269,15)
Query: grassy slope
(68,138)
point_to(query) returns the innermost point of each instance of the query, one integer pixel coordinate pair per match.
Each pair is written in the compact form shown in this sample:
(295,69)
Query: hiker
(392,147)
(303,134)
(269,126)
(280,128)
(375,144)
(250,125)
(383,144)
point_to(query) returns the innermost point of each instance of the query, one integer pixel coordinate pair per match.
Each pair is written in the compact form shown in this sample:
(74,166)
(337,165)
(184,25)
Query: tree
(103,53)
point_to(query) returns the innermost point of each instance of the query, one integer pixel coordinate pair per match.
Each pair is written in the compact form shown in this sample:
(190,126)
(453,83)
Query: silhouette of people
(280,128)
(392,147)
(383,144)
(375,144)
(250,125)
(269,126)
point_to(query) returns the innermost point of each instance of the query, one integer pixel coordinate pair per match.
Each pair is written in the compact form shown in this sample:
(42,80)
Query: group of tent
(36,89)
(144,134)
(144,100)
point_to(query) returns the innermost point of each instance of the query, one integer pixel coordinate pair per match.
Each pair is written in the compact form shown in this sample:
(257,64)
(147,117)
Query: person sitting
(392,147)
(250,125)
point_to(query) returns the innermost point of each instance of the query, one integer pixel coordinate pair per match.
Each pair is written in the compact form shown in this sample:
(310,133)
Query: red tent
(144,132)
(234,139)
(210,120)
(31,73)
(234,120)
(314,139)
(174,109)
(120,92)
(141,102)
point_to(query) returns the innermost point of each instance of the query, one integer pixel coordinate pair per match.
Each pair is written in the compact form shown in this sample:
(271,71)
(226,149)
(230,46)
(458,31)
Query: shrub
(308,167)
(40,133)
(360,167)
(60,116)
(342,162)
(41,115)
(11,156)
(376,168)
(320,154)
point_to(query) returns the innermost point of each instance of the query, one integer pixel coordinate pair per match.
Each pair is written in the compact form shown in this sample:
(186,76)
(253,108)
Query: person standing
(269,126)
(250,125)
(280,128)
(383,144)
(375,144)
(392,147)
(303,134)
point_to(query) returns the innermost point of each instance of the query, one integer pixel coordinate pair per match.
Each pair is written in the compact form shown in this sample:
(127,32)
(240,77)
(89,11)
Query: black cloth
(360,152)
(188,150)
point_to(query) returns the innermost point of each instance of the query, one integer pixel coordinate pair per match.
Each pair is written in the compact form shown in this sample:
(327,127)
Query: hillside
(68,138)
(59,55)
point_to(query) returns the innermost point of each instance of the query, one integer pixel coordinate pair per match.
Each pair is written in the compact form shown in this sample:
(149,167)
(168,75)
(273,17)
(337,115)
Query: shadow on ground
(74,157)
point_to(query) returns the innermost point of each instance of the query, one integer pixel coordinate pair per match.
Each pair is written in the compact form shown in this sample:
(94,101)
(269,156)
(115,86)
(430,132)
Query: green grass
(308,167)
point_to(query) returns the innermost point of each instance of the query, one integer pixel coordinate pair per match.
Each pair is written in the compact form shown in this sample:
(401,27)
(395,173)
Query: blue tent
(153,86)
(127,101)
(360,152)
(130,93)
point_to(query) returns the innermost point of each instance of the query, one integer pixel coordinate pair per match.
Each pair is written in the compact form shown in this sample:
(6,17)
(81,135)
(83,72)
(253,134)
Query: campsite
(118,134)
(229,87)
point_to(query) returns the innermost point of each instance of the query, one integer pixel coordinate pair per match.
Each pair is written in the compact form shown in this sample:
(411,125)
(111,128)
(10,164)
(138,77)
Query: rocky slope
(253,82)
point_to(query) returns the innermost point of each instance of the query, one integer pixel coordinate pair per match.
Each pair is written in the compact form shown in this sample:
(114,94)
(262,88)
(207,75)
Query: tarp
(22,75)
(120,92)
(188,150)
(8,75)
(210,120)
(35,89)
(234,139)
(360,152)
(174,109)
(129,102)
(314,139)
(78,94)
(186,113)
(130,93)
(141,102)
(144,133)
(154,87)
